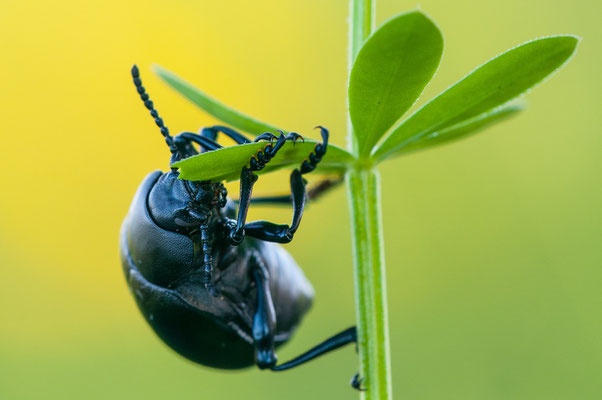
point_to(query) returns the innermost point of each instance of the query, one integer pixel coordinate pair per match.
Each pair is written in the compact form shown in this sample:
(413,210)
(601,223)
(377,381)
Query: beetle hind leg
(264,320)
(341,339)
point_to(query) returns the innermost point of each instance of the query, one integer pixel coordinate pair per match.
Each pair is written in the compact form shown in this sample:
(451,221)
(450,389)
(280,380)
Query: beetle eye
(188,218)
(197,215)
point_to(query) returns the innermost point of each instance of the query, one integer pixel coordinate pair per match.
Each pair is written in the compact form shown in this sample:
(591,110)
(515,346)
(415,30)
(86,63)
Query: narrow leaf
(390,72)
(212,106)
(462,130)
(226,163)
(493,84)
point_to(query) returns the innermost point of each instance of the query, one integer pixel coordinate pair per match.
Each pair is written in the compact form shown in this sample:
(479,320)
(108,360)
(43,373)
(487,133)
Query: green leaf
(462,130)
(390,72)
(226,163)
(212,106)
(493,84)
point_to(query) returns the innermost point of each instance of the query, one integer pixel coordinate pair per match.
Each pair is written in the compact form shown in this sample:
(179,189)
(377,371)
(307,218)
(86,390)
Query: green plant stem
(363,192)
(363,187)
(361,25)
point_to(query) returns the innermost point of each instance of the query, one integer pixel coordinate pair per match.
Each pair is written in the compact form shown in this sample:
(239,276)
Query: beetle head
(183,206)
(179,205)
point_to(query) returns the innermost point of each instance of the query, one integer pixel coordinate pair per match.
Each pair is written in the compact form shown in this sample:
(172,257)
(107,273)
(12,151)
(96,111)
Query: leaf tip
(576,41)
(568,41)
(575,38)
(418,12)
(571,40)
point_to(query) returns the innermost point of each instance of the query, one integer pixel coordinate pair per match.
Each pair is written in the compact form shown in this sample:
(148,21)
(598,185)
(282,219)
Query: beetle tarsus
(294,136)
(356,382)
(268,136)
(316,156)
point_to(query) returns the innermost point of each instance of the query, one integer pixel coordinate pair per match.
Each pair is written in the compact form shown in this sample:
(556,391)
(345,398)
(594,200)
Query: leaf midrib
(384,99)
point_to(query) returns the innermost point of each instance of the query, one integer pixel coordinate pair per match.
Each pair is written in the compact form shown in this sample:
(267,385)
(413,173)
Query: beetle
(215,288)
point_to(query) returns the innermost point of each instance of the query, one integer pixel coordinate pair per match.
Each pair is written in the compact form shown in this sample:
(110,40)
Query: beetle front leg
(212,131)
(248,179)
(264,320)
(269,231)
(184,142)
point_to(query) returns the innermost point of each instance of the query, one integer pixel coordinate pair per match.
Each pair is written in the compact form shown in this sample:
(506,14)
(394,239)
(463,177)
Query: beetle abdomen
(194,334)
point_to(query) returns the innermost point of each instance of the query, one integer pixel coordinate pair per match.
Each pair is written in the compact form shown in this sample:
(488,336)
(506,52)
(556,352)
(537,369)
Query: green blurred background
(493,244)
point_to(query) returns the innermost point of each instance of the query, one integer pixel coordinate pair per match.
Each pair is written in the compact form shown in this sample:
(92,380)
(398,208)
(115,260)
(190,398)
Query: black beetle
(215,288)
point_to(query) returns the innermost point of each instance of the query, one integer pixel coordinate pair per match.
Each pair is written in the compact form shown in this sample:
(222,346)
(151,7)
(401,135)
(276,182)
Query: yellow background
(493,245)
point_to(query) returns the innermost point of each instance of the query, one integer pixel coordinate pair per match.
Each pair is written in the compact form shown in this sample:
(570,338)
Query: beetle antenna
(148,103)
(207,259)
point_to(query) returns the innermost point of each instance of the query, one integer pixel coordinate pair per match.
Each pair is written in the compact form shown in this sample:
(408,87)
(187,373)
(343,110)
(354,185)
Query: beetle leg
(356,382)
(313,193)
(184,143)
(269,136)
(269,231)
(206,139)
(211,133)
(349,335)
(264,320)
(248,179)
(316,156)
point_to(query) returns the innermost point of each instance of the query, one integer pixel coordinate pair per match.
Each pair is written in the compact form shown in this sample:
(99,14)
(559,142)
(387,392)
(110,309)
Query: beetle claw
(294,136)
(356,382)
(265,136)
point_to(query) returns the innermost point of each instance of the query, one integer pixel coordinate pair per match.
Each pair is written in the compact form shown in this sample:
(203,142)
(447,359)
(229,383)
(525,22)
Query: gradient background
(493,244)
